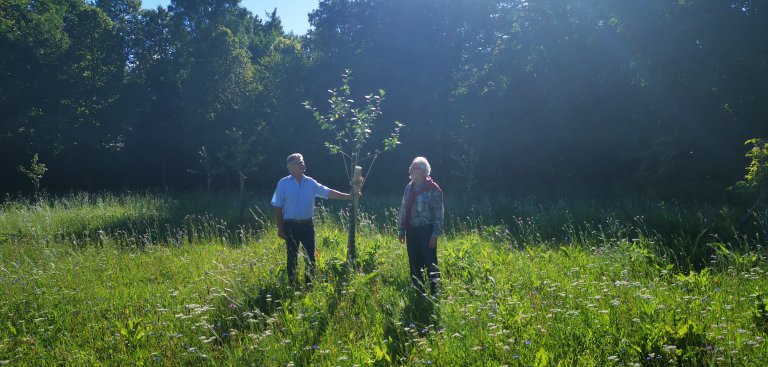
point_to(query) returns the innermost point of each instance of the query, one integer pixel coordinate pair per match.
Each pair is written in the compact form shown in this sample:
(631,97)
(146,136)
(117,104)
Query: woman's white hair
(424,163)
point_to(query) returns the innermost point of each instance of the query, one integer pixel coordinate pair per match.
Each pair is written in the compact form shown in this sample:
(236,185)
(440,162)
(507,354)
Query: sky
(292,13)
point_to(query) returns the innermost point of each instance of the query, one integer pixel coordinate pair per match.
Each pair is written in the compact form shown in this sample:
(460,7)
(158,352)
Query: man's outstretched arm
(333,194)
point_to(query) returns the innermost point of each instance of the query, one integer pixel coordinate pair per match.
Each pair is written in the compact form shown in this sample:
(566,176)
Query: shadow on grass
(419,317)
(262,303)
(333,281)
(271,299)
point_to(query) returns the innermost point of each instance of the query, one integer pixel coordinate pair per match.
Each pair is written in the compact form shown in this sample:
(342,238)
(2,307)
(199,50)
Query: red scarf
(428,185)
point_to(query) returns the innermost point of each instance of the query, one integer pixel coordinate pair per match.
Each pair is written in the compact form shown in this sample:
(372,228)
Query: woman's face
(416,173)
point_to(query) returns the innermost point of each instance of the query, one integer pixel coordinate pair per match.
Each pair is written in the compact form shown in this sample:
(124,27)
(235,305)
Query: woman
(421,223)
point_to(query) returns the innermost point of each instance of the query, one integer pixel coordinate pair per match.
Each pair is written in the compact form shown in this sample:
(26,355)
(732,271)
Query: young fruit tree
(351,126)
(207,169)
(238,157)
(35,172)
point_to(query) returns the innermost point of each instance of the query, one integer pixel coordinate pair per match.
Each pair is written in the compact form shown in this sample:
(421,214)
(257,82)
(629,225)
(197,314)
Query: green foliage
(132,330)
(238,155)
(220,77)
(107,87)
(760,313)
(208,167)
(756,178)
(65,66)
(35,171)
(352,126)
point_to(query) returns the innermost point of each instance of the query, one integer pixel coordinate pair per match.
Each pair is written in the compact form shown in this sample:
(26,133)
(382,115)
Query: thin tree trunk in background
(743,222)
(242,198)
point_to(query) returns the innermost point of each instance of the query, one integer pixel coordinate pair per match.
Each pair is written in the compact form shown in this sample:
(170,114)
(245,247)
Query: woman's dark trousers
(422,258)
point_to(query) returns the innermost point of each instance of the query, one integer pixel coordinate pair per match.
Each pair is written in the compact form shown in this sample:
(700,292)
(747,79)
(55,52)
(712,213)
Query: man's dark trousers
(300,232)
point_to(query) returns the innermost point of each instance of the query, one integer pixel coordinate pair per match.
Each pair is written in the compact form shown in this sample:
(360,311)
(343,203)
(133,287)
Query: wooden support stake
(356,183)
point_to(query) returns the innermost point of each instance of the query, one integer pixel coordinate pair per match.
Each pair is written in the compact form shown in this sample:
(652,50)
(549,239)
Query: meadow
(157,279)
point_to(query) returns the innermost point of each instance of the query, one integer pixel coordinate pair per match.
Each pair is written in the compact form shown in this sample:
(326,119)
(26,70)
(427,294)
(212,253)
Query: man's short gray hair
(293,158)
(424,164)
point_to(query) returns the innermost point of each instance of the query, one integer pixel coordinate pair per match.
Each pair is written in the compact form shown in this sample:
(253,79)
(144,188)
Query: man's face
(297,167)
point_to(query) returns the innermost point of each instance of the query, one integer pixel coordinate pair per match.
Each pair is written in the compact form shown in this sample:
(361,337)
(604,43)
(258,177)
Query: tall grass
(155,279)
(130,220)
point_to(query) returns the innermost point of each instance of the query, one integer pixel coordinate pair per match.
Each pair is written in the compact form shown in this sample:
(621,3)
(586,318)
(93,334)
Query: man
(421,223)
(294,203)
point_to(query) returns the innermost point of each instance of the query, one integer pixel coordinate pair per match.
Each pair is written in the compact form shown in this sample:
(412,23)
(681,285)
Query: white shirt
(298,199)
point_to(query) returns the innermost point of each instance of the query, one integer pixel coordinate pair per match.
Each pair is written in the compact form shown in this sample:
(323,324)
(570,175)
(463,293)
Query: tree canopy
(509,96)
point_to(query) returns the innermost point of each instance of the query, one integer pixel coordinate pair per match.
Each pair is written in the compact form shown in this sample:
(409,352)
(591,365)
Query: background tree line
(560,96)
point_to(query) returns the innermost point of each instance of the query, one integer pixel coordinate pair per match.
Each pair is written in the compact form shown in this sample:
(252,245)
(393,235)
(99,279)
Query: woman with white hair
(421,223)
